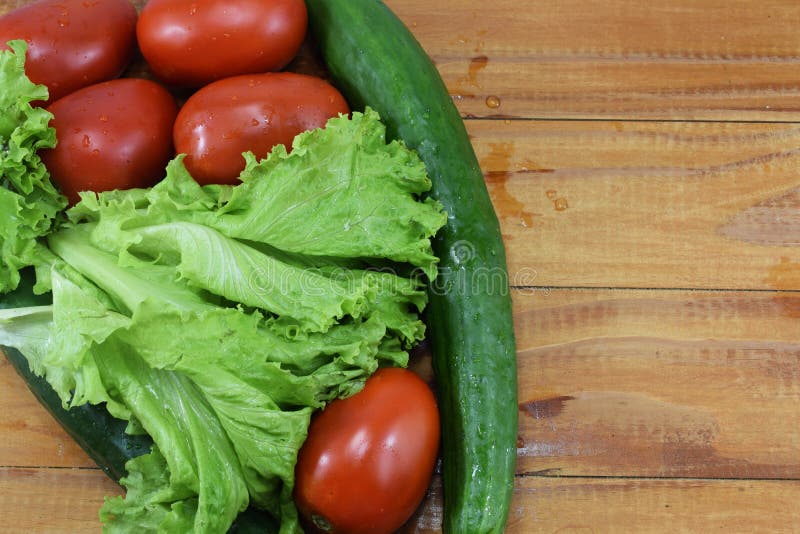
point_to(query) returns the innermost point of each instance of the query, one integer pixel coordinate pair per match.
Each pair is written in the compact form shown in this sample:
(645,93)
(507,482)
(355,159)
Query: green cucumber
(375,60)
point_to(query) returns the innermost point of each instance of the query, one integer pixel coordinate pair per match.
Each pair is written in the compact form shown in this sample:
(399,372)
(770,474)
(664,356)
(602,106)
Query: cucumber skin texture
(375,60)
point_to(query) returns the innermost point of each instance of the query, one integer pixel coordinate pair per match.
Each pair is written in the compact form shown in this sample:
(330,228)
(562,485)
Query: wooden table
(644,160)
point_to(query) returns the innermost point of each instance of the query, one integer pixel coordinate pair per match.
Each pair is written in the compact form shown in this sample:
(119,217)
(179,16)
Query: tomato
(368,459)
(111,135)
(73,43)
(191,43)
(250,112)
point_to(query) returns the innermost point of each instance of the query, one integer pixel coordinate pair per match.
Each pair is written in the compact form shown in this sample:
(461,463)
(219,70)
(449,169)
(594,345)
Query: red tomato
(368,459)
(73,43)
(191,42)
(250,112)
(111,135)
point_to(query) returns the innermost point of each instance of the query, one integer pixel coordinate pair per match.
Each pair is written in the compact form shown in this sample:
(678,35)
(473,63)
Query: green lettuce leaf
(29,203)
(342,192)
(217,319)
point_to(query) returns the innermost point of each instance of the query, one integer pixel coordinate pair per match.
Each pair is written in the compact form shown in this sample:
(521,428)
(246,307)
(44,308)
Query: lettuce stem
(124,287)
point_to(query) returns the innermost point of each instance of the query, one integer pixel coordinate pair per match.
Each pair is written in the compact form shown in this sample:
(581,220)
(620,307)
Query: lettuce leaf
(29,203)
(217,319)
(342,192)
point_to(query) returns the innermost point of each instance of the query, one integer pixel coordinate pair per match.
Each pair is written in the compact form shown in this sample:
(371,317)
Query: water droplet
(103,118)
(560,204)
(254,122)
(492,102)
(86,141)
(551,193)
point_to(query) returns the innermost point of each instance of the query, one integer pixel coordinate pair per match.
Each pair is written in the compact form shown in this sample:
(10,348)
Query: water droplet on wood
(492,102)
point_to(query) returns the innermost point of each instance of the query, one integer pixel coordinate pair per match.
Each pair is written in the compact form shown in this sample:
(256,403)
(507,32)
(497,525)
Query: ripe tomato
(368,459)
(250,112)
(73,43)
(111,135)
(191,43)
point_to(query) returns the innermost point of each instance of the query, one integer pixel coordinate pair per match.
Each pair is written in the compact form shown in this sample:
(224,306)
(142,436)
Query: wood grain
(541,504)
(676,59)
(29,436)
(643,160)
(659,383)
(613,382)
(646,204)
(44,500)
(608,505)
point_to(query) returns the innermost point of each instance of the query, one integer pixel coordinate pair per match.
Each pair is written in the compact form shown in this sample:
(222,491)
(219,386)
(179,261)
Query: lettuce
(217,319)
(342,191)
(29,203)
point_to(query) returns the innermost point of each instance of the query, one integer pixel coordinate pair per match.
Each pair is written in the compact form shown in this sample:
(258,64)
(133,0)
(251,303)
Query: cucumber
(375,60)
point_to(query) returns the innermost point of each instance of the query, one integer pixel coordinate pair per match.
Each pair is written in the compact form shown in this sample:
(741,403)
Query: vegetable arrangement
(217,310)
(471,329)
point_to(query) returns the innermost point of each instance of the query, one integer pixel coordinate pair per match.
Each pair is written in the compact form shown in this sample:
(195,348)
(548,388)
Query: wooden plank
(600,505)
(612,382)
(30,436)
(53,500)
(646,204)
(659,383)
(676,59)
(541,504)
